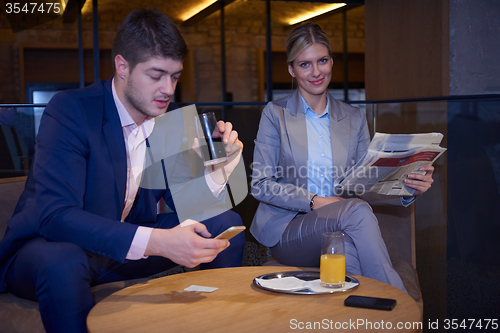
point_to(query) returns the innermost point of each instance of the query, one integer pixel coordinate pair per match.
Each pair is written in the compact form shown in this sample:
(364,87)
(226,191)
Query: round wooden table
(162,305)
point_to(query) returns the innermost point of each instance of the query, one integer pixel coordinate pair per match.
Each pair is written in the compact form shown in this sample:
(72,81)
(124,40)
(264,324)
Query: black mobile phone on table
(366,302)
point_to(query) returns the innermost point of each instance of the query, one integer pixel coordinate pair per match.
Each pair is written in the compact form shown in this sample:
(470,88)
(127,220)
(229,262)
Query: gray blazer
(279,168)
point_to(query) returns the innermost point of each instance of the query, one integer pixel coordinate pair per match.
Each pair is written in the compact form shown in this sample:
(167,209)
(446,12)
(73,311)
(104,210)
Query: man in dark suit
(83,219)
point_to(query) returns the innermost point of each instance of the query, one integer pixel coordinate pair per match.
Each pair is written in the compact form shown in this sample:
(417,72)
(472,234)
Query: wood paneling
(61,65)
(406,49)
(407,56)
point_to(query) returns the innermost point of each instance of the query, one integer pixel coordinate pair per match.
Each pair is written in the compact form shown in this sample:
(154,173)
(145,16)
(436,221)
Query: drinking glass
(332,266)
(212,148)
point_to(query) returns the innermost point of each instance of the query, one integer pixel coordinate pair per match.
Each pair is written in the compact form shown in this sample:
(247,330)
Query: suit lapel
(116,145)
(340,133)
(295,123)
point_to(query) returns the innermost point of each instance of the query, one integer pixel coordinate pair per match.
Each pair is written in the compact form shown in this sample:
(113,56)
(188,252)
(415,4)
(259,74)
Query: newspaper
(389,160)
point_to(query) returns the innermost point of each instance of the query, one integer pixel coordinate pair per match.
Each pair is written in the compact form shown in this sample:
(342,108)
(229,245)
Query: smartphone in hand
(230,232)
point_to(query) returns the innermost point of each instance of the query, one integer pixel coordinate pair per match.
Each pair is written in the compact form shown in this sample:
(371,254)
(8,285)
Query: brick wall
(244,36)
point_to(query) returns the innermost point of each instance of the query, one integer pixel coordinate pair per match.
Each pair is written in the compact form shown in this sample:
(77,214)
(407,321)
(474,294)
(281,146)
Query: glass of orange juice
(332,266)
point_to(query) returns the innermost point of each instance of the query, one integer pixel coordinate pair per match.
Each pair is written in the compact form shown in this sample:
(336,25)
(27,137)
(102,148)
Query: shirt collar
(306,108)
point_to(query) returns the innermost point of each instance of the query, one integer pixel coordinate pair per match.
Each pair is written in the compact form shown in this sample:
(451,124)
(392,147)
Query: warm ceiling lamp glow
(196,9)
(324,10)
(87,7)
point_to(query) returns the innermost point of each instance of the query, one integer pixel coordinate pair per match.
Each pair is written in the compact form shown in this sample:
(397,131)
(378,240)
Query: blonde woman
(304,143)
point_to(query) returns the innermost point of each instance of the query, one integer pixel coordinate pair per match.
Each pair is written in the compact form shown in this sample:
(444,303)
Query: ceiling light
(63,5)
(310,15)
(196,9)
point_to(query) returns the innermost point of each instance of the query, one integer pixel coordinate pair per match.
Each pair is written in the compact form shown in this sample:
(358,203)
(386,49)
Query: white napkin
(291,283)
(202,289)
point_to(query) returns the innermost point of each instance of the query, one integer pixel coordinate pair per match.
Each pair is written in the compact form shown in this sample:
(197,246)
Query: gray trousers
(366,253)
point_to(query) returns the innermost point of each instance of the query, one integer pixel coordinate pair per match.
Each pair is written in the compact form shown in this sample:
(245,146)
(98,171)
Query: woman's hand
(421,183)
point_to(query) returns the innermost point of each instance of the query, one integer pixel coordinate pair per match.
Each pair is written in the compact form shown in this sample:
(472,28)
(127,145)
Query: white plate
(307,276)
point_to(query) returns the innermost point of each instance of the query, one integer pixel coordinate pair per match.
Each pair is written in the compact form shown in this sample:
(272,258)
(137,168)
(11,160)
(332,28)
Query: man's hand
(234,147)
(421,183)
(184,245)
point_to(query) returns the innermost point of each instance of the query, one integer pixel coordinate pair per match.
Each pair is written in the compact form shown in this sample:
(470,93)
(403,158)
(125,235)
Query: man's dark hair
(146,33)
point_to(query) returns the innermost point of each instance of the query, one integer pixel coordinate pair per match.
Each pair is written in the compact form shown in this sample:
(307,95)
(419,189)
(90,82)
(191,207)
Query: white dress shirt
(135,143)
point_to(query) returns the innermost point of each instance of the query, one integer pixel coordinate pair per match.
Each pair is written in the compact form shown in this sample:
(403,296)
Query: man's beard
(136,101)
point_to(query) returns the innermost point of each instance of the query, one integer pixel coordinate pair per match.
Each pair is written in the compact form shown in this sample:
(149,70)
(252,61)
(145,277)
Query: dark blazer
(279,179)
(75,191)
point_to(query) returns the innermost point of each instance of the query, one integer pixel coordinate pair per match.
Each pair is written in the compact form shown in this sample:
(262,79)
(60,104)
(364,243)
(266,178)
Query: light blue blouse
(319,145)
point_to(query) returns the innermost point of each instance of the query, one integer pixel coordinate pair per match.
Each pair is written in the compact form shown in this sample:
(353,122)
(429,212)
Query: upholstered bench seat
(20,315)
